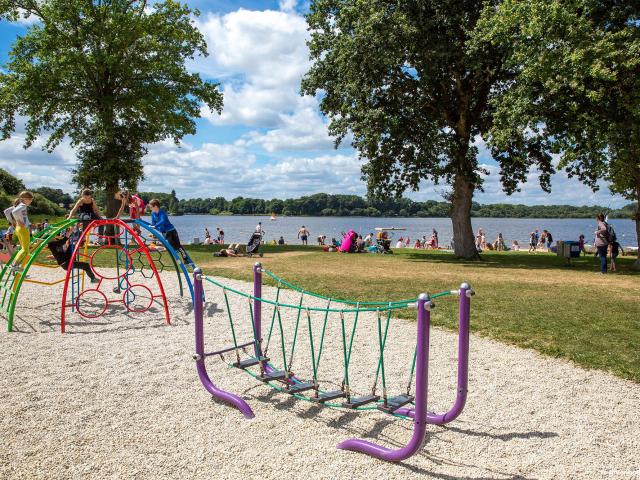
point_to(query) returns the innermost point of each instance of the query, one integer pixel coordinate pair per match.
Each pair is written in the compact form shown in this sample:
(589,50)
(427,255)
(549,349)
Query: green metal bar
(413,368)
(353,334)
(233,330)
(313,354)
(284,350)
(382,347)
(381,359)
(344,353)
(32,255)
(273,318)
(324,326)
(295,334)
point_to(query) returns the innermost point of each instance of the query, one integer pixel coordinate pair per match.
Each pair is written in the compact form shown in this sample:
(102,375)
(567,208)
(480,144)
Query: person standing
(549,239)
(602,241)
(303,235)
(533,241)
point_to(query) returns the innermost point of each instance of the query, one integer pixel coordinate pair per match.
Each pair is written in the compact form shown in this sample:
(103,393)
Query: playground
(122,387)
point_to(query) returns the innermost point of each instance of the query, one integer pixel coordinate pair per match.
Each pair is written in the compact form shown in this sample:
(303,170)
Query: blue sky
(270,141)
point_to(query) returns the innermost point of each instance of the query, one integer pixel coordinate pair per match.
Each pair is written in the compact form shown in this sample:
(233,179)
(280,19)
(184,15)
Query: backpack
(610,236)
(8,215)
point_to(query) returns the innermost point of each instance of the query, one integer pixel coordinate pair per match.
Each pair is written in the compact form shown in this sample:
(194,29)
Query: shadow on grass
(522,260)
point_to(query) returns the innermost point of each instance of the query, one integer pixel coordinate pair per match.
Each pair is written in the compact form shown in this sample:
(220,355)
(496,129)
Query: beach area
(119,397)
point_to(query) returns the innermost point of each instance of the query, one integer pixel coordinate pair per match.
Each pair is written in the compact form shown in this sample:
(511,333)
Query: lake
(239,228)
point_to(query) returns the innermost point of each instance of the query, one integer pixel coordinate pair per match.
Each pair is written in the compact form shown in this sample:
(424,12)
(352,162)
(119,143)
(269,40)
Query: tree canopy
(110,75)
(414,85)
(578,86)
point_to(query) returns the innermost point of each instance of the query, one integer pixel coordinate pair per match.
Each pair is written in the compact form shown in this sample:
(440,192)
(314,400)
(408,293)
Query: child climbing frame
(129,291)
(306,385)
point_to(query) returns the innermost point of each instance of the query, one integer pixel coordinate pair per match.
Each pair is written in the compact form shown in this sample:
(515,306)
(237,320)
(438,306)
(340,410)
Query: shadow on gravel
(505,437)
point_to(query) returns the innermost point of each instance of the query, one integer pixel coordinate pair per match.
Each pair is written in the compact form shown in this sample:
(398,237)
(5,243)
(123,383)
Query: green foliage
(578,86)
(325,205)
(110,75)
(10,184)
(413,85)
(56,195)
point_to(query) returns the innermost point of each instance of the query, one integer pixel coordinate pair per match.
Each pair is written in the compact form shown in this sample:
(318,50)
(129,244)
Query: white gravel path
(119,397)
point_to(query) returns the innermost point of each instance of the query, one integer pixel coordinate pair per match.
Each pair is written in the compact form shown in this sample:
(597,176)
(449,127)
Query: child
(134,203)
(21,222)
(62,250)
(581,245)
(160,221)
(614,250)
(533,242)
(88,210)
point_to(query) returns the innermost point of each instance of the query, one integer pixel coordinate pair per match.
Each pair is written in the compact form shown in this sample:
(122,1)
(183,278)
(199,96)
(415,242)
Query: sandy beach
(119,397)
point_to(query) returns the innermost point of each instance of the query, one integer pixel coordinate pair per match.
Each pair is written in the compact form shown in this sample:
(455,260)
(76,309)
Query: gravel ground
(118,397)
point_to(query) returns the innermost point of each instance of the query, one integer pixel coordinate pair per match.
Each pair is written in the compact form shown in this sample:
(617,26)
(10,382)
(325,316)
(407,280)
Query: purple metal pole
(463,364)
(420,417)
(199,356)
(257,306)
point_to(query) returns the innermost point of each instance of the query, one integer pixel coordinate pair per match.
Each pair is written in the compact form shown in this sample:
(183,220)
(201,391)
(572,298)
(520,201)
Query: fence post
(420,414)
(257,307)
(200,356)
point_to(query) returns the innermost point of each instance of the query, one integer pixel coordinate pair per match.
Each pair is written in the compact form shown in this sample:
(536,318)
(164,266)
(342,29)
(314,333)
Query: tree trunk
(463,237)
(113,205)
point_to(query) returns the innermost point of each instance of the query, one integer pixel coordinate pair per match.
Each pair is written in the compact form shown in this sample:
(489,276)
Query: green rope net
(354,308)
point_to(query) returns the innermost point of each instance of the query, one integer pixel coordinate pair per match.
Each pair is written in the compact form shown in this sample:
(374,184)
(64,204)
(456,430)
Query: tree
(579,79)
(411,83)
(56,195)
(108,74)
(9,184)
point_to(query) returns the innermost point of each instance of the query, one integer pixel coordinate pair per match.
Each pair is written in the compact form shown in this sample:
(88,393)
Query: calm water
(238,229)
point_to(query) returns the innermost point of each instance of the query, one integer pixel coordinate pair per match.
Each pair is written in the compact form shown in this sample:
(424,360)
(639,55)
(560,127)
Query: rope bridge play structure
(306,382)
(137,258)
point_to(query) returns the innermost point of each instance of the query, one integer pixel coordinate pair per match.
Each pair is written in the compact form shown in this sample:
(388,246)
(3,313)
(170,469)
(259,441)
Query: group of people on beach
(86,209)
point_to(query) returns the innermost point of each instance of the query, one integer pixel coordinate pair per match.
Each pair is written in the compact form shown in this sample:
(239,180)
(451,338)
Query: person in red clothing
(134,203)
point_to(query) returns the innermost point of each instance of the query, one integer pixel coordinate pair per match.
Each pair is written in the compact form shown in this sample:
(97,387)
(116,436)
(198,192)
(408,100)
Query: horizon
(269,139)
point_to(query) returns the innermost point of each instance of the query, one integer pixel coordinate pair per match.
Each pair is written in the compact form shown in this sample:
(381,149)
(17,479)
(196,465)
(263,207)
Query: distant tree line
(325,205)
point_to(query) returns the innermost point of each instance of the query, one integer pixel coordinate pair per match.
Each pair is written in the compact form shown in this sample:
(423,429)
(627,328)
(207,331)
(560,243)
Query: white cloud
(231,170)
(260,57)
(288,5)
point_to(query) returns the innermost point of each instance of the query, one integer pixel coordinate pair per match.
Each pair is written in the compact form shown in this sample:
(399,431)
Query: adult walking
(602,241)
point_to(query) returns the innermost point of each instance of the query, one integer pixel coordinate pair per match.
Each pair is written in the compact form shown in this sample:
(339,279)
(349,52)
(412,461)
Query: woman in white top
(22,226)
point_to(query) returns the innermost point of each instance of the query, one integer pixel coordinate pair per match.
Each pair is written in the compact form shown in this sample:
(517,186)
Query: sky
(269,142)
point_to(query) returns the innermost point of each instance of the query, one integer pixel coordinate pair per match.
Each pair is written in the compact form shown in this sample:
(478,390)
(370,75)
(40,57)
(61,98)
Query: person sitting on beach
(321,240)
(368,240)
(515,246)
(281,240)
(400,243)
(360,244)
(417,244)
(499,245)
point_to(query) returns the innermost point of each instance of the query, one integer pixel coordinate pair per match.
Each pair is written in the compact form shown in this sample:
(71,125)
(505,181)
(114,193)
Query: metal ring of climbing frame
(129,291)
(110,247)
(104,308)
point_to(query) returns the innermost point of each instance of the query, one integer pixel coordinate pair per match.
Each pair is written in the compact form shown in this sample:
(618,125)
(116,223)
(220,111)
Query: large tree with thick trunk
(578,86)
(109,75)
(410,80)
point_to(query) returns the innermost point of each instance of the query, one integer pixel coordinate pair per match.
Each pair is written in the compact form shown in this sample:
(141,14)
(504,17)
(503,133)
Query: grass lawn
(532,301)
